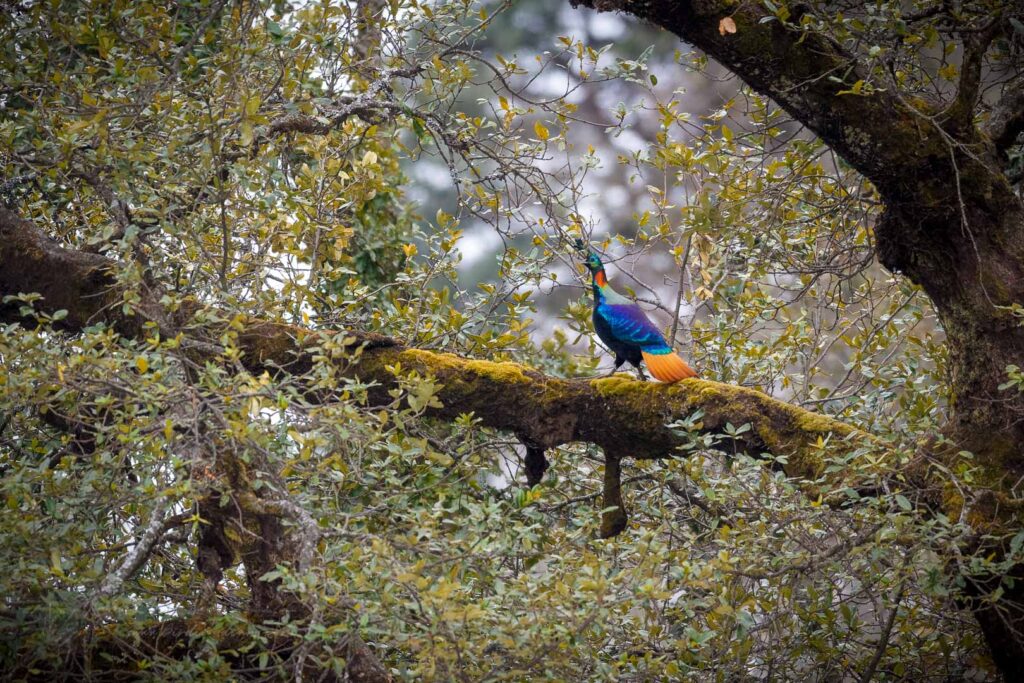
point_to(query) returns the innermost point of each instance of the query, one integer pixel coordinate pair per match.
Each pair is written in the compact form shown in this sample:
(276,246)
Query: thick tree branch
(78,282)
(877,134)
(975,45)
(622,416)
(1006,122)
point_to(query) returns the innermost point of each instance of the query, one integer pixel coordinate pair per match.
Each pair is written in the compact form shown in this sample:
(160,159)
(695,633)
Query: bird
(629,333)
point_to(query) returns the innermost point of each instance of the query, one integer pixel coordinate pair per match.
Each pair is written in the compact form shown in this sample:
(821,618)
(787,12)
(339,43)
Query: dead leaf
(726,25)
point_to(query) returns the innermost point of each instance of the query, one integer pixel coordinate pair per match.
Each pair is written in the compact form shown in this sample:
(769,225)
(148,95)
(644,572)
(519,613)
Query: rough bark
(951,223)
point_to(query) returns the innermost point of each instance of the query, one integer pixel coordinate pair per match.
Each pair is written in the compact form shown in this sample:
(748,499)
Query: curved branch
(134,560)
(878,134)
(624,417)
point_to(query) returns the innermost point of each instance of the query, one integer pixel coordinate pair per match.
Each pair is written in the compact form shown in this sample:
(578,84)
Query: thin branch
(883,637)
(682,285)
(138,555)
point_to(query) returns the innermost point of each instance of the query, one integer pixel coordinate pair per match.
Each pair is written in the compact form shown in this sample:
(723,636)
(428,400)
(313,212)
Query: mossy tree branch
(622,416)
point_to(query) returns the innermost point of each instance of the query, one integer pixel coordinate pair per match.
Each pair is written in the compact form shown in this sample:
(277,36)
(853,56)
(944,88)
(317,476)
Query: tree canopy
(298,379)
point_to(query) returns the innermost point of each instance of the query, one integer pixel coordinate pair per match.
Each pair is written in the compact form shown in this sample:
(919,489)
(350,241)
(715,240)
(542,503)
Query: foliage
(253,159)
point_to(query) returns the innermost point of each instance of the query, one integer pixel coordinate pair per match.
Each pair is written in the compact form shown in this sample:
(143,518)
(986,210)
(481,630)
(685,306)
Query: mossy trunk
(972,267)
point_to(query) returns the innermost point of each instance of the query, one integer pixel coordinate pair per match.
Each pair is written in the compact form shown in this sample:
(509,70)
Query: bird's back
(629,325)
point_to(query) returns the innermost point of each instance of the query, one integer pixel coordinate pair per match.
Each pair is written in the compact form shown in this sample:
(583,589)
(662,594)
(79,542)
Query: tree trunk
(968,256)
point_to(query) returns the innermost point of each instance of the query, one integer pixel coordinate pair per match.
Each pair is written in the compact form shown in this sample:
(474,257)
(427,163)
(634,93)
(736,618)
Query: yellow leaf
(442,459)
(252,105)
(245,139)
(726,25)
(541,131)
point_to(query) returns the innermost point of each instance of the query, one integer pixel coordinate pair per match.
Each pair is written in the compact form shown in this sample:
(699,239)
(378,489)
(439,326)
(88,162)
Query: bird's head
(594,263)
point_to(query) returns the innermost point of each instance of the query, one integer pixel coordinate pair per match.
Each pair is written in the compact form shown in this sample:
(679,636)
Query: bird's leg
(640,373)
(619,360)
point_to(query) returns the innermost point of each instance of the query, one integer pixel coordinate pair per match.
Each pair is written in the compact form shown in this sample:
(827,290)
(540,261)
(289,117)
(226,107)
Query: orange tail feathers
(668,367)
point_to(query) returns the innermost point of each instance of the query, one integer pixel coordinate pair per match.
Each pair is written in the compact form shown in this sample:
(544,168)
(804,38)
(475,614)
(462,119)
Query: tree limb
(1006,122)
(975,45)
(621,415)
(134,560)
(878,134)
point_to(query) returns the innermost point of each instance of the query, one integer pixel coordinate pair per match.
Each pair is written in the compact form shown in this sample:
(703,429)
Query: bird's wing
(630,325)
